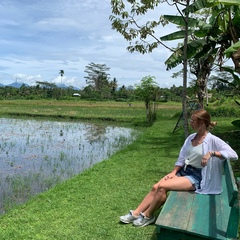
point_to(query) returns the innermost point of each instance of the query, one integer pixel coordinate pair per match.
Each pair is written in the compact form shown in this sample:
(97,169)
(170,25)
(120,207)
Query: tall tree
(97,76)
(126,21)
(200,64)
(185,66)
(147,90)
(113,85)
(61,72)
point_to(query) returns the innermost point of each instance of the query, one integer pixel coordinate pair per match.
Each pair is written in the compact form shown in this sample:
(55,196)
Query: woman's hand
(169,176)
(205,159)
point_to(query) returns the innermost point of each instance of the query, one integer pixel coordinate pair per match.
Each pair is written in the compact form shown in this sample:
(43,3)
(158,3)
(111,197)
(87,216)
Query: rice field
(35,155)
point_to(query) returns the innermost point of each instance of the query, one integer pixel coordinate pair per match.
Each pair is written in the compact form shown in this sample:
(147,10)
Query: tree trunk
(203,75)
(201,91)
(184,97)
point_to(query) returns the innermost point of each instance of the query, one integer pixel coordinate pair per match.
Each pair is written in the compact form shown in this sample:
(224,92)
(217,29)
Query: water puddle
(37,154)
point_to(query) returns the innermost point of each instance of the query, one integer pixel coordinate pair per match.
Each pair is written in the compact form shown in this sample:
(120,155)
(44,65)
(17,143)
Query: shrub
(236,123)
(224,112)
(121,100)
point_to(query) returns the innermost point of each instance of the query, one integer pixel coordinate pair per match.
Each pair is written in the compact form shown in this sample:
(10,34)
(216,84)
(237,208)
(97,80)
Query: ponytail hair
(203,116)
(212,125)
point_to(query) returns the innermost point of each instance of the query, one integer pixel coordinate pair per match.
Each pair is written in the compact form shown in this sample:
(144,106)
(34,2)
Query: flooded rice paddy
(35,155)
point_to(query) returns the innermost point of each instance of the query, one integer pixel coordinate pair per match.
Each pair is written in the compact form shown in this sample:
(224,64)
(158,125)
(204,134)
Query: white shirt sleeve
(212,174)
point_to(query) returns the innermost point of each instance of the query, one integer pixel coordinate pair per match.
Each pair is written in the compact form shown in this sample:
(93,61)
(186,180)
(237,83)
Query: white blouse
(212,173)
(194,155)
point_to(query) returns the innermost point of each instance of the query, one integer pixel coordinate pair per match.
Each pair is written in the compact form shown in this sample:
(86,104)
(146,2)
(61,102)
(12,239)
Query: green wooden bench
(187,215)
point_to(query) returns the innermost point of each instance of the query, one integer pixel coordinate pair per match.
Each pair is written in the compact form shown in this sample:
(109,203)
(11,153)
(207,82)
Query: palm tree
(61,72)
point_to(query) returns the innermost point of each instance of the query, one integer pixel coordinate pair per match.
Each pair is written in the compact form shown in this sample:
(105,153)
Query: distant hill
(17,84)
(61,85)
(64,86)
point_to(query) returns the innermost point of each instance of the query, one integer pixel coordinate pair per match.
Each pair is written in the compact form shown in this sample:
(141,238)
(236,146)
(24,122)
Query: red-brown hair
(203,116)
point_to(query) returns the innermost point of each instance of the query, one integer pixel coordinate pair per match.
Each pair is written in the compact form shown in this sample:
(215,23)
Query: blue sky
(39,38)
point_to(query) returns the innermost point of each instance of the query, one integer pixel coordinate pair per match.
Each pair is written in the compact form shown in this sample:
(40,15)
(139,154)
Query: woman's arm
(216,147)
(223,150)
(210,154)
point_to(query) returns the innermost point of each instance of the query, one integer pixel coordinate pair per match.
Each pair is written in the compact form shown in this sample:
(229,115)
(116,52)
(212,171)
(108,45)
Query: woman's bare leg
(148,199)
(177,184)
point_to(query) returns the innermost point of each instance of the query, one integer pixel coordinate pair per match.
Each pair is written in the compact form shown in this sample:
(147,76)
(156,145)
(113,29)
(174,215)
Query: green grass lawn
(107,111)
(88,206)
(74,109)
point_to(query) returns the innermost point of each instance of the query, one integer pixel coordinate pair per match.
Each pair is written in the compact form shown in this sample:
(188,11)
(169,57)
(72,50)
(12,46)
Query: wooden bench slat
(231,183)
(210,215)
(194,216)
(180,211)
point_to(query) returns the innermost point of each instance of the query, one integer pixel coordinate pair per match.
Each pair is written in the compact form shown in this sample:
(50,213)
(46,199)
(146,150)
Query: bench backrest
(231,183)
(232,191)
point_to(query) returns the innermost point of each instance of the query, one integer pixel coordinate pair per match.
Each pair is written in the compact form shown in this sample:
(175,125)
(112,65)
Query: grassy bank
(83,110)
(88,206)
(78,109)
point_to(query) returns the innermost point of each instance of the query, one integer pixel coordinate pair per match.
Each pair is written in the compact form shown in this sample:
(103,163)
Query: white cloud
(38,38)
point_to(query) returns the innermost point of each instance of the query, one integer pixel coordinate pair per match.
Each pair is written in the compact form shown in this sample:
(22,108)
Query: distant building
(76,95)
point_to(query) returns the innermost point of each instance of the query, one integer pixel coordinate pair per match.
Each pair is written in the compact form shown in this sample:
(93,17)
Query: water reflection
(35,154)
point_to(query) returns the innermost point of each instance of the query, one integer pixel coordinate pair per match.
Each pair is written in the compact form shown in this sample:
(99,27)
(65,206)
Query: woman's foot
(143,221)
(129,218)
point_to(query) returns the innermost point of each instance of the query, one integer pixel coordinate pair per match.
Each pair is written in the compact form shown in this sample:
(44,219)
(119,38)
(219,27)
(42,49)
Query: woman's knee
(154,188)
(161,188)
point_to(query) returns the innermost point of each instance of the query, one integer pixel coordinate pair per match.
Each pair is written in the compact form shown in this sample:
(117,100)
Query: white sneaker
(129,218)
(143,221)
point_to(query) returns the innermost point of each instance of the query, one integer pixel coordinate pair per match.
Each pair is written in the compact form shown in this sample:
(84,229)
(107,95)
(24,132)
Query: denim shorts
(193,174)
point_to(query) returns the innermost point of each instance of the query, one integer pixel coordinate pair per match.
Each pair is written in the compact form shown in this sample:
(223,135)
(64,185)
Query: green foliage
(98,80)
(224,112)
(88,206)
(224,22)
(123,21)
(235,83)
(121,100)
(97,74)
(236,123)
(232,49)
(116,112)
(147,90)
(43,90)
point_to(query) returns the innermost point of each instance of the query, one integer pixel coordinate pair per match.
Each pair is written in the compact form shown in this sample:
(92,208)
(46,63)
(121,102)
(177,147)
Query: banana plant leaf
(193,48)
(175,35)
(228,2)
(208,49)
(179,20)
(200,4)
(229,83)
(232,49)
(238,103)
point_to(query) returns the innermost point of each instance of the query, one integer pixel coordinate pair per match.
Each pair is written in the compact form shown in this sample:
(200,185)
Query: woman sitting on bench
(198,168)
